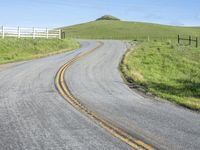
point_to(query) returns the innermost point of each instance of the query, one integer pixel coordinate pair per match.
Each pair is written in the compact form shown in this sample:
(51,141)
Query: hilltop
(108,17)
(112,29)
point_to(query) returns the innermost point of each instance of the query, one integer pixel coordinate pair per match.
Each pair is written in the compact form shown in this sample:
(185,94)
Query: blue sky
(56,13)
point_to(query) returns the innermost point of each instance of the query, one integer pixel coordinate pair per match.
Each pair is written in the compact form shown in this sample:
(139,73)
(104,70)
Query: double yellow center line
(115,131)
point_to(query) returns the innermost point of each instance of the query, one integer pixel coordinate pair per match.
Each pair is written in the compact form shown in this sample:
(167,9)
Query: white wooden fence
(29,32)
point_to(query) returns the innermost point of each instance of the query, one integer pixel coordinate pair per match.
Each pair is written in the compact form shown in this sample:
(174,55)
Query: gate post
(33,33)
(197,42)
(19,34)
(178,39)
(3,34)
(190,40)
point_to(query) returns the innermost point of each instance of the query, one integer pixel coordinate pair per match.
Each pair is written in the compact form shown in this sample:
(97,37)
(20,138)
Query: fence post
(3,34)
(47,33)
(190,40)
(33,33)
(60,32)
(197,42)
(63,35)
(178,39)
(18,32)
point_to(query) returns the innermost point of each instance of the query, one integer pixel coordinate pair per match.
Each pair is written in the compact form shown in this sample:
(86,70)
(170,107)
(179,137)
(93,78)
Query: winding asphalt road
(34,116)
(96,82)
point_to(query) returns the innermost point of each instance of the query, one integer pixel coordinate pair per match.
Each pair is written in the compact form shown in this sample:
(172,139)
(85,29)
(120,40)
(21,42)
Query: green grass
(109,29)
(166,70)
(13,49)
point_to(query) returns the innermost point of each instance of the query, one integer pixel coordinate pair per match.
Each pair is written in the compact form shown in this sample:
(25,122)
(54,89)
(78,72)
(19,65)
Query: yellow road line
(115,131)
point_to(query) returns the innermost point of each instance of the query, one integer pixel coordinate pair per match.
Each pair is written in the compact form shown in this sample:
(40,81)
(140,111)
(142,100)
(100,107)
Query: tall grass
(13,49)
(167,70)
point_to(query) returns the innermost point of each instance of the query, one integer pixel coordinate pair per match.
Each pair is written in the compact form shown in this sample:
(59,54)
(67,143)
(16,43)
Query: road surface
(33,115)
(96,82)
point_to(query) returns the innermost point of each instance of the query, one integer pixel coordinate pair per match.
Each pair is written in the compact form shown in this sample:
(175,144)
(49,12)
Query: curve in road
(64,91)
(96,83)
(33,115)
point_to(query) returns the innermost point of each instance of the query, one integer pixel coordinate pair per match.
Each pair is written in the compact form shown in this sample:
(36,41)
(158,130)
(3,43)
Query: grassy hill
(113,29)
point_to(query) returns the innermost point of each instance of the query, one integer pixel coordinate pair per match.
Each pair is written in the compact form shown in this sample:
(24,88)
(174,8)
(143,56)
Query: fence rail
(190,40)
(29,32)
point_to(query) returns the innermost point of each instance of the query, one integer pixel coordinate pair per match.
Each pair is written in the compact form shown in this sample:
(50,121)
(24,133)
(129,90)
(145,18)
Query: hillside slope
(109,29)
